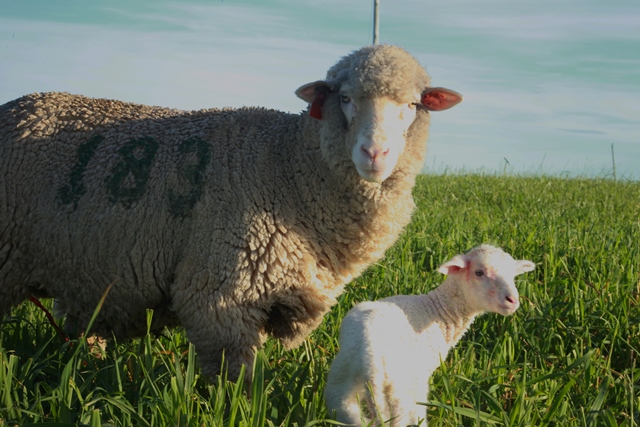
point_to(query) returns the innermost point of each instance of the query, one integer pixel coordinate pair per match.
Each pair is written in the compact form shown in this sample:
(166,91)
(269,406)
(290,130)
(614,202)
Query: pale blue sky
(548,85)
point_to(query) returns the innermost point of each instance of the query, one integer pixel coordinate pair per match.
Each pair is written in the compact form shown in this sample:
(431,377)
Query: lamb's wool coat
(389,348)
(235,223)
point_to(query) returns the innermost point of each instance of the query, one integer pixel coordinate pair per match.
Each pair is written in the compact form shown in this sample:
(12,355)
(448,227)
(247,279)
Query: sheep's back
(98,191)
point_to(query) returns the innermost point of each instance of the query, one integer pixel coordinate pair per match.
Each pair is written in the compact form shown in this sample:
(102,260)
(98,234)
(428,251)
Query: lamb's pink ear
(315,94)
(439,98)
(454,265)
(522,266)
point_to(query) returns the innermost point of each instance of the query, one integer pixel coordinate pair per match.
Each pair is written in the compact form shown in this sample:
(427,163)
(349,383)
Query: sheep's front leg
(233,334)
(294,313)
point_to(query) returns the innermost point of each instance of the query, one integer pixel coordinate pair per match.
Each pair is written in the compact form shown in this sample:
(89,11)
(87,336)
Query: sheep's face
(379,88)
(377,126)
(380,127)
(485,276)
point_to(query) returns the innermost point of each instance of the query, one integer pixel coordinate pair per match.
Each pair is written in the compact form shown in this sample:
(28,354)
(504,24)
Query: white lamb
(389,348)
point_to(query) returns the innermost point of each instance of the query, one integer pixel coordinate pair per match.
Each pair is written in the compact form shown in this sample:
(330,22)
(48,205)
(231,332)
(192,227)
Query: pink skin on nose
(374,153)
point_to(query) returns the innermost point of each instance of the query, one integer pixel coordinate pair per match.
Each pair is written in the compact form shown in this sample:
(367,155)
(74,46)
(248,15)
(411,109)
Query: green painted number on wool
(128,179)
(193,173)
(130,175)
(75,189)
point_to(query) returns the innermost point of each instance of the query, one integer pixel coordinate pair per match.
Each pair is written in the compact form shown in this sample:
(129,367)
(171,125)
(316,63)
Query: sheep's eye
(479,273)
(345,99)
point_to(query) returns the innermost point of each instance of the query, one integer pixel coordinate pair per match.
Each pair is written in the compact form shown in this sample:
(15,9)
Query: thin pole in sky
(376,20)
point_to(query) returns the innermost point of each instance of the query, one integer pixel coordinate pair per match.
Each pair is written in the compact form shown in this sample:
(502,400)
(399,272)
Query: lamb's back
(396,332)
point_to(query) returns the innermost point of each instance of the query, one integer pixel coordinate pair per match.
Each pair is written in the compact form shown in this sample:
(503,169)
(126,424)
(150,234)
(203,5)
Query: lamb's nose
(512,302)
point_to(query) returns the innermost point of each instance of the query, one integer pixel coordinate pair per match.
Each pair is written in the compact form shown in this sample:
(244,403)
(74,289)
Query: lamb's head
(377,93)
(485,276)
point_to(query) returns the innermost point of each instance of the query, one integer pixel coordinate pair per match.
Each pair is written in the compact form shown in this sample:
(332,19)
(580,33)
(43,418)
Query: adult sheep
(235,223)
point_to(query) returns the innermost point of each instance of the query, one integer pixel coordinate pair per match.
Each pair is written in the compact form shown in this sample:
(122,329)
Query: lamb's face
(486,278)
(378,137)
(491,286)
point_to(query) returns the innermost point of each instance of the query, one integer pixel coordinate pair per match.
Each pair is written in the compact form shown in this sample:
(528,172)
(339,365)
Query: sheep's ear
(439,98)
(454,265)
(522,266)
(308,92)
(315,94)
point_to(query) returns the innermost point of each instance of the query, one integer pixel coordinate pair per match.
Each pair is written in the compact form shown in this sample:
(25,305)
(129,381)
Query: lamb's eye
(345,99)
(479,273)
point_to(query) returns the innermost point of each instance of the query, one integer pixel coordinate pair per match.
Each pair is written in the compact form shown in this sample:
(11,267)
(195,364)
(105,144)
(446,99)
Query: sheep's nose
(510,299)
(374,153)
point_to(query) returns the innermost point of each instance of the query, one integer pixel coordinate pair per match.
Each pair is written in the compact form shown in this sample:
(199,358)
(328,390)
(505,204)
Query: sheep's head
(486,275)
(380,90)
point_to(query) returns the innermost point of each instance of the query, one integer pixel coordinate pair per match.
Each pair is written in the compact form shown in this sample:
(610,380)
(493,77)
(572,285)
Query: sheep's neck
(371,216)
(450,311)
(377,214)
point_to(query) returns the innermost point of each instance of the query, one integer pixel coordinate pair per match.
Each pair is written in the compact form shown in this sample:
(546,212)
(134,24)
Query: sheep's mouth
(372,176)
(372,173)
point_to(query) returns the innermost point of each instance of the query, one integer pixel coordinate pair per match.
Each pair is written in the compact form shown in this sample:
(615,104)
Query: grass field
(568,357)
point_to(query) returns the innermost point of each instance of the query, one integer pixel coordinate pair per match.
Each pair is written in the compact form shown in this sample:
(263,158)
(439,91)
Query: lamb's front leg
(378,401)
(402,405)
(343,392)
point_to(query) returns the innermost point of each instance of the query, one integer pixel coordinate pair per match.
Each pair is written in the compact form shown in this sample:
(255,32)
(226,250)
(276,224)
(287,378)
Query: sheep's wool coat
(235,223)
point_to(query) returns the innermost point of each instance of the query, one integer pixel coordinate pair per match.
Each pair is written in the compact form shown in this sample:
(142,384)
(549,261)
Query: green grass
(568,357)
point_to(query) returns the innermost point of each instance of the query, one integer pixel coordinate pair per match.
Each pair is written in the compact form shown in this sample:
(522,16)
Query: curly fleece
(376,73)
(234,223)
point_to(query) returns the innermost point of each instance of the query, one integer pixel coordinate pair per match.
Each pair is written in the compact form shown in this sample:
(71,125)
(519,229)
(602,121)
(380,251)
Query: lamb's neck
(450,311)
